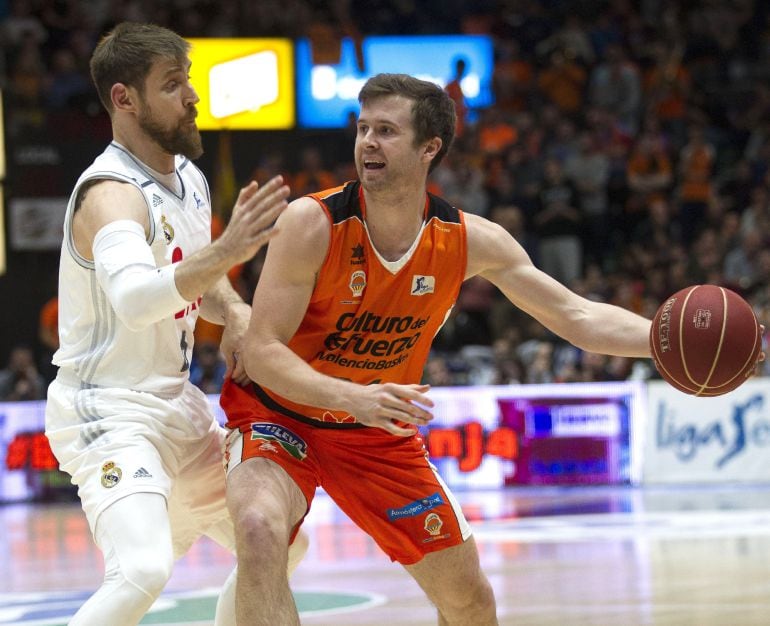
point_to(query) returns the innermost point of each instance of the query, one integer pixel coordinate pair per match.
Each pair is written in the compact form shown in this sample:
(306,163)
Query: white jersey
(96,348)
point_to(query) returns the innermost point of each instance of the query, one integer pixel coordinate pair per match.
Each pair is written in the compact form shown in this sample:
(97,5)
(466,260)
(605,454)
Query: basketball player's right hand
(388,405)
(252,219)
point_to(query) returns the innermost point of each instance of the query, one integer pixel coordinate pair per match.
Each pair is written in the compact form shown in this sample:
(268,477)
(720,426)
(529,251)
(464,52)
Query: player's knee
(148,573)
(475,598)
(259,531)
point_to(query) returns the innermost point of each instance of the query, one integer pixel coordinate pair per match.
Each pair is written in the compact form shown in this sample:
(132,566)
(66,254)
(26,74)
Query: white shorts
(115,442)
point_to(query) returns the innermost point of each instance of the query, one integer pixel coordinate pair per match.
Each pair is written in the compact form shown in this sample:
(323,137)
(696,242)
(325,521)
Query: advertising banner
(708,440)
(560,434)
(481,437)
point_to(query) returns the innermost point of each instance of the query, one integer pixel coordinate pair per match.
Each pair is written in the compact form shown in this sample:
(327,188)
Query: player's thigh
(134,535)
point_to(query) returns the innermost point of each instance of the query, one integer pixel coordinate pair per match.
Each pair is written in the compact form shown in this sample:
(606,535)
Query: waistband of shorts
(68,378)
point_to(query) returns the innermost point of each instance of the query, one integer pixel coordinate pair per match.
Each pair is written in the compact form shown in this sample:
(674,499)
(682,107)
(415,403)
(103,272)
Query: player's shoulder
(101,196)
(304,220)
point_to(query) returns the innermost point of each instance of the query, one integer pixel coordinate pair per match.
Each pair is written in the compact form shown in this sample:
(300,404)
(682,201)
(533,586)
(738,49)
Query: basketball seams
(698,386)
(715,361)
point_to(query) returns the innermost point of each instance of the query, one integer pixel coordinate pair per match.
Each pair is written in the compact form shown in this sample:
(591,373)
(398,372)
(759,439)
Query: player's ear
(122,97)
(432,148)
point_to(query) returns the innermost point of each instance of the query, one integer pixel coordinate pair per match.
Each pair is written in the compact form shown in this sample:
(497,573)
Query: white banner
(708,440)
(37,223)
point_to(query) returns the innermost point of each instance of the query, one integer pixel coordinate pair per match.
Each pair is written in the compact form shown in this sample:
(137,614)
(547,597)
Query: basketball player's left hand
(236,325)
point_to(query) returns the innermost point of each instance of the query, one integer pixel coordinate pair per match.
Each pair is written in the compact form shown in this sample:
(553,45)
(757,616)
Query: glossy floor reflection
(594,556)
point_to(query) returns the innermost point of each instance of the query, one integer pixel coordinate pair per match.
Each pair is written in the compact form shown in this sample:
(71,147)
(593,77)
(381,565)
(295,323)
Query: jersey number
(176,256)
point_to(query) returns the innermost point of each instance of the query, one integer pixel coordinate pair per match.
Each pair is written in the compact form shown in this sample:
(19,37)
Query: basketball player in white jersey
(137,269)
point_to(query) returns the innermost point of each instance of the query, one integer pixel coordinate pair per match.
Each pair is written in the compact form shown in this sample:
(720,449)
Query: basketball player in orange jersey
(355,286)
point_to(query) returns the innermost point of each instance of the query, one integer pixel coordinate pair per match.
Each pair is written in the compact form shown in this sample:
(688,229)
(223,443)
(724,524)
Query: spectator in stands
(207,368)
(558,226)
(696,165)
(650,174)
(512,77)
(66,85)
(589,171)
(21,380)
(312,174)
(48,336)
(615,85)
(454,89)
(741,264)
(562,82)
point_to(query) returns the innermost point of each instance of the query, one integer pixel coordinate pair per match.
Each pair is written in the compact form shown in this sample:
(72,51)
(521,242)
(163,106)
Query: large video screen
(243,84)
(327,95)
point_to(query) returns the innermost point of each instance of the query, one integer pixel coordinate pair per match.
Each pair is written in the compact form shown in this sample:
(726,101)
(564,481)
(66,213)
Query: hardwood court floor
(595,556)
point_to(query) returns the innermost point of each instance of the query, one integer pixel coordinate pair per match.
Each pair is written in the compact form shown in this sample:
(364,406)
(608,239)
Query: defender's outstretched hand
(255,212)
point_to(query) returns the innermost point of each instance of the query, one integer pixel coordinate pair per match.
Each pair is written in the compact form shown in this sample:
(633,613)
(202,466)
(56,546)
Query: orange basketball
(705,340)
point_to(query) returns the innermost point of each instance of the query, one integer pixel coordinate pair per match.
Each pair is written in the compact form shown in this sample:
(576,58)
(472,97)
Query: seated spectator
(48,335)
(67,86)
(207,368)
(312,176)
(21,380)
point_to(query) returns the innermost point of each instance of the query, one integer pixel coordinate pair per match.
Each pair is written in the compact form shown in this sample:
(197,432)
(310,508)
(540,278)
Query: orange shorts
(383,482)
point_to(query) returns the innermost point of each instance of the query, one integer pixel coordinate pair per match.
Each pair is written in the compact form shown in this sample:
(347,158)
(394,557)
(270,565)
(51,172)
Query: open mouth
(373,165)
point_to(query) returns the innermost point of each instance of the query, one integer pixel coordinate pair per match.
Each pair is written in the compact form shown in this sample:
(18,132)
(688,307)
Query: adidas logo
(142,473)
(156,200)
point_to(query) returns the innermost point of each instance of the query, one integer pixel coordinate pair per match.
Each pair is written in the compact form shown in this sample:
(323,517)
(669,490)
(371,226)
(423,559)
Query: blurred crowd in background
(627,150)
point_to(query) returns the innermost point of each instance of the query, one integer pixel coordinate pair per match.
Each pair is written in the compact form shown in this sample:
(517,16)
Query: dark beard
(174,140)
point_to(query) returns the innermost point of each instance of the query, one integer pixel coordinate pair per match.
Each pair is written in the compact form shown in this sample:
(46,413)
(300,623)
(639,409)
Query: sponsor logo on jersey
(198,202)
(168,230)
(368,334)
(357,255)
(156,200)
(357,283)
(111,475)
(142,473)
(422,285)
(416,508)
(273,433)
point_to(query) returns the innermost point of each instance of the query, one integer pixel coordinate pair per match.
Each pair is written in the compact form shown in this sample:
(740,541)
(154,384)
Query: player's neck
(394,220)
(145,149)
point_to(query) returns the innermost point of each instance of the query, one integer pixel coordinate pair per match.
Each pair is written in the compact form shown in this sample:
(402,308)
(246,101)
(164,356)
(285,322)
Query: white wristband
(140,292)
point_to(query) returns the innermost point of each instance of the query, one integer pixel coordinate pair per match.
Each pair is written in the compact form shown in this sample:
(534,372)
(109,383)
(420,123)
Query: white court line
(614,526)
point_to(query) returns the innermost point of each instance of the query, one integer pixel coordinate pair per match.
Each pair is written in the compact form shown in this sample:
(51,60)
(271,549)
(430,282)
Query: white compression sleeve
(140,292)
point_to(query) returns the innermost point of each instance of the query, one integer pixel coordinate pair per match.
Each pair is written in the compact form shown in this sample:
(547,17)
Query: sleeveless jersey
(96,348)
(368,323)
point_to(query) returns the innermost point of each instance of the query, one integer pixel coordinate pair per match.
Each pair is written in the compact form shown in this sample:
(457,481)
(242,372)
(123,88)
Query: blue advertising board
(328,94)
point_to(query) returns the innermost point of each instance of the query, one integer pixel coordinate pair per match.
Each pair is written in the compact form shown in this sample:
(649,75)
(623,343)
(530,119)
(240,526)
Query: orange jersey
(366,322)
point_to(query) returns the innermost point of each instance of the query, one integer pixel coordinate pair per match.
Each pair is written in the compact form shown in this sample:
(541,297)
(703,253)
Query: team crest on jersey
(433,525)
(358,283)
(422,285)
(168,230)
(111,475)
(275,434)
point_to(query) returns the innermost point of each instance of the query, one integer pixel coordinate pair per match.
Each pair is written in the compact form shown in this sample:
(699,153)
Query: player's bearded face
(182,137)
